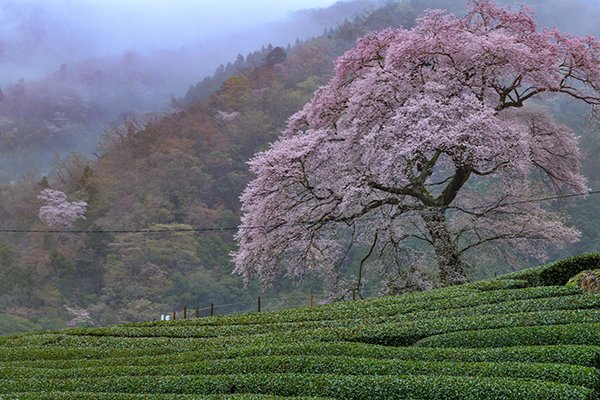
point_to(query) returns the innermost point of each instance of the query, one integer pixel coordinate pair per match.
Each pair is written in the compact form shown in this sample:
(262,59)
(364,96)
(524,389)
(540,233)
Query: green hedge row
(389,334)
(131,396)
(369,308)
(567,354)
(560,373)
(165,345)
(385,305)
(572,302)
(398,334)
(576,355)
(578,301)
(376,307)
(408,333)
(558,272)
(497,284)
(582,333)
(350,387)
(59,339)
(68,353)
(405,332)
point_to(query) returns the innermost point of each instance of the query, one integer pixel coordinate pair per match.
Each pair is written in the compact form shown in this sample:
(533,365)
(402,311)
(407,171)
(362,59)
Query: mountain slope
(180,171)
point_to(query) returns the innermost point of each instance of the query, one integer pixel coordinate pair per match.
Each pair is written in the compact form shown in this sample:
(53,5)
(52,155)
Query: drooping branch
(363,260)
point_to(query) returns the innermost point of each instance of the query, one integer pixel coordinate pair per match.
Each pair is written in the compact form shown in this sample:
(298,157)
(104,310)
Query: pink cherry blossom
(57,212)
(427,134)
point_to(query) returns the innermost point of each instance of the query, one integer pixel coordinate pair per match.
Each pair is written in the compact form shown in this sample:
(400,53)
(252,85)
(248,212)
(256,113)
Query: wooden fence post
(310,298)
(197,312)
(212,309)
(353,294)
(174,315)
(258,303)
(184,312)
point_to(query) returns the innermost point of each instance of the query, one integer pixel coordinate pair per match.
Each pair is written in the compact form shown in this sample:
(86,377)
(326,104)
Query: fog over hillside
(110,58)
(37,37)
(77,65)
(579,17)
(193,38)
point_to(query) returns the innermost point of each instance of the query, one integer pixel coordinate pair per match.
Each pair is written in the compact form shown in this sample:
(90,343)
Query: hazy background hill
(221,99)
(70,68)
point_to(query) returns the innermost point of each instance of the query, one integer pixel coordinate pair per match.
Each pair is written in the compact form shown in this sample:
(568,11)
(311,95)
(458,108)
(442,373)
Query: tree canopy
(427,134)
(57,212)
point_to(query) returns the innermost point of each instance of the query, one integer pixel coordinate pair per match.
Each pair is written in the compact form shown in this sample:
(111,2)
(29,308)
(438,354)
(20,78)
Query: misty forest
(125,175)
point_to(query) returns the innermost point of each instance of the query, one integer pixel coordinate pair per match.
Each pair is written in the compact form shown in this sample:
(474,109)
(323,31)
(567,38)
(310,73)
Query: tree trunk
(452,269)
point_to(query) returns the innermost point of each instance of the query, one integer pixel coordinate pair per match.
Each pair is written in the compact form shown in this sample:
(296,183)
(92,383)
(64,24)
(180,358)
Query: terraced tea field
(521,336)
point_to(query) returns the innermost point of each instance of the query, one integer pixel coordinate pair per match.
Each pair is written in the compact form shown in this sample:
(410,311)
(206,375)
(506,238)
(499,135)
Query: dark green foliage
(572,334)
(588,280)
(58,358)
(53,353)
(132,396)
(499,284)
(10,324)
(9,272)
(368,331)
(336,386)
(338,365)
(422,305)
(558,272)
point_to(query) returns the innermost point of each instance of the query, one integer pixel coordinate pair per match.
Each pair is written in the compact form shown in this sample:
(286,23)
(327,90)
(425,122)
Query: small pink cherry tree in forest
(432,134)
(57,212)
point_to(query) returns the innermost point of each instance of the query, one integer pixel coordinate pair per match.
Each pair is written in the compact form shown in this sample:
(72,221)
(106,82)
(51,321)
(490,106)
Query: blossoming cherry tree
(428,134)
(57,212)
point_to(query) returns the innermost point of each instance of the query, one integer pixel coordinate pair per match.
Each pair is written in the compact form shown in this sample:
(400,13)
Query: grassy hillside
(521,336)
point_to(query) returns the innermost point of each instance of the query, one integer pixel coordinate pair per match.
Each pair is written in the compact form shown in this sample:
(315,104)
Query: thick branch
(421,195)
(460,177)
(427,168)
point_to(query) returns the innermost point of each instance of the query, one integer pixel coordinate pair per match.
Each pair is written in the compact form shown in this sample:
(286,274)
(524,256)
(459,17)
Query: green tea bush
(497,284)
(338,365)
(351,311)
(572,302)
(558,272)
(583,333)
(576,355)
(158,344)
(132,396)
(588,280)
(65,353)
(497,339)
(405,334)
(350,387)
(398,334)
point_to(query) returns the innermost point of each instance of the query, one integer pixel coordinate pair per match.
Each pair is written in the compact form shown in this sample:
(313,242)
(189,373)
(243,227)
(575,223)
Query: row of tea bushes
(500,339)
(337,365)
(576,333)
(582,355)
(380,307)
(132,396)
(350,387)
